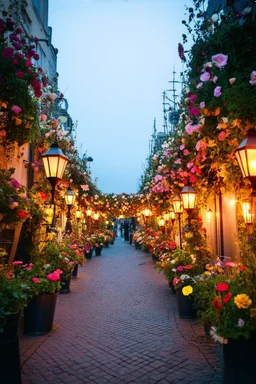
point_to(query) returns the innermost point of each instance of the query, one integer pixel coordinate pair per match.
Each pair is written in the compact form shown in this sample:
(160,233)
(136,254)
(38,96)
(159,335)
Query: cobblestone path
(120,325)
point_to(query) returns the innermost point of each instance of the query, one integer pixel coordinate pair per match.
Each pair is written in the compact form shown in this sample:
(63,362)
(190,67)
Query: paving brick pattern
(119,325)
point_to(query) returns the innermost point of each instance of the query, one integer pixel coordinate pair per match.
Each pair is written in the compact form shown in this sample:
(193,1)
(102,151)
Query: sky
(115,59)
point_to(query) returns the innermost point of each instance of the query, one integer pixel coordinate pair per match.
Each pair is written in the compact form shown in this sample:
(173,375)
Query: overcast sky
(115,59)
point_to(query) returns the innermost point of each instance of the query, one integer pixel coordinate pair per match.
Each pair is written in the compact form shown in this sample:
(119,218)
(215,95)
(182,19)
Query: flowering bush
(14,206)
(20,84)
(14,291)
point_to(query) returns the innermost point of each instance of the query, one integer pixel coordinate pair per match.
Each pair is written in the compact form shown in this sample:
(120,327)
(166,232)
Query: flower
(232,80)
(17,262)
(216,337)
(217,91)
(242,301)
(180,268)
(8,52)
(205,76)
(222,287)
(54,276)
(240,323)
(222,135)
(227,297)
(187,290)
(16,109)
(217,303)
(246,10)
(35,279)
(22,215)
(253,78)
(214,17)
(220,60)
(202,104)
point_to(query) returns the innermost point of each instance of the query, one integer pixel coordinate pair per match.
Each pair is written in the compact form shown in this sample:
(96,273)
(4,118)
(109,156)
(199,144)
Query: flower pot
(10,351)
(137,245)
(185,305)
(39,315)
(88,255)
(65,285)
(239,360)
(154,258)
(11,328)
(170,283)
(75,271)
(131,238)
(98,251)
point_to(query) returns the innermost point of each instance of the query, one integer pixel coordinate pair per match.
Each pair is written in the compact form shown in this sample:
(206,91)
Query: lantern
(246,157)
(188,195)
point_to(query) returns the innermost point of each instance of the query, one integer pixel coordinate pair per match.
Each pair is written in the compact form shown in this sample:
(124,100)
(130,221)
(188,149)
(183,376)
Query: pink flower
(85,187)
(43,117)
(191,128)
(186,152)
(217,91)
(180,268)
(220,60)
(16,109)
(175,281)
(215,79)
(8,52)
(35,279)
(205,76)
(182,147)
(192,96)
(232,80)
(253,78)
(13,205)
(199,85)
(17,263)
(59,271)
(20,74)
(54,276)
(222,135)
(194,111)
(202,104)
(230,264)
(190,165)
(193,179)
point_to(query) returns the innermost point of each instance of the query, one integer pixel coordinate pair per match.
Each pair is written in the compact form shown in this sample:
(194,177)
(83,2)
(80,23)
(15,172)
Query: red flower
(8,52)
(22,214)
(36,56)
(189,266)
(20,74)
(243,268)
(222,287)
(217,304)
(227,297)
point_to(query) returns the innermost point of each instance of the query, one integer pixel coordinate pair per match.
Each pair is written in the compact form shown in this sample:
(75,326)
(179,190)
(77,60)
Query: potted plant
(14,295)
(45,284)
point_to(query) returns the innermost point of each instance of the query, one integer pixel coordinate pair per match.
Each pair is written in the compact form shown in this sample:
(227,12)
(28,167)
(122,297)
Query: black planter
(170,283)
(137,245)
(106,245)
(239,360)
(98,251)
(75,271)
(154,258)
(88,255)
(39,315)
(130,238)
(10,351)
(65,285)
(185,305)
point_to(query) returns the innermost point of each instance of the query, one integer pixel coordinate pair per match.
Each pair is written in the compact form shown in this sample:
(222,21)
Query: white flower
(225,119)
(174,270)
(240,323)
(216,337)
(185,277)
(214,17)
(47,266)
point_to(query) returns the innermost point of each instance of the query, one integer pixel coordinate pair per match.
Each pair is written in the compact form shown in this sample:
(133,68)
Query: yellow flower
(207,273)
(187,290)
(242,301)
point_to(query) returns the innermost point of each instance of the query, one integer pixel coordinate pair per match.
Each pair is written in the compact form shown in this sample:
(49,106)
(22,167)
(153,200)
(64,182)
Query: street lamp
(246,157)
(88,212)
(247,212)
(70,198)
(54,162)
(96,216)
(78,214)
(188,195)
(178,209)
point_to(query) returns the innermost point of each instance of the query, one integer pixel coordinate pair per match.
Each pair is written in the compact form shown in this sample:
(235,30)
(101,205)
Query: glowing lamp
(88,212)
(70,197)
(161,223)
(78,214)
(54,162)
(209,214)
(177,204)
(147,212)
(96,216)
(188,195)
(247,212)
(246,157)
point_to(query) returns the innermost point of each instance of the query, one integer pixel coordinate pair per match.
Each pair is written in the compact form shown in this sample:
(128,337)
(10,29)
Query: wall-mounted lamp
(178,209)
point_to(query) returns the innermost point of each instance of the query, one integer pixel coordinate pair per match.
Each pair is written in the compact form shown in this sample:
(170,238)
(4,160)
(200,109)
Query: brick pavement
(119,325)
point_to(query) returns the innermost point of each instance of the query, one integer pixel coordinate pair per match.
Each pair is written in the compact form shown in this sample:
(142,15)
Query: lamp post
(70,198)
(161,224)
(178,209)
(78,215)
(54,162)
(188,195)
